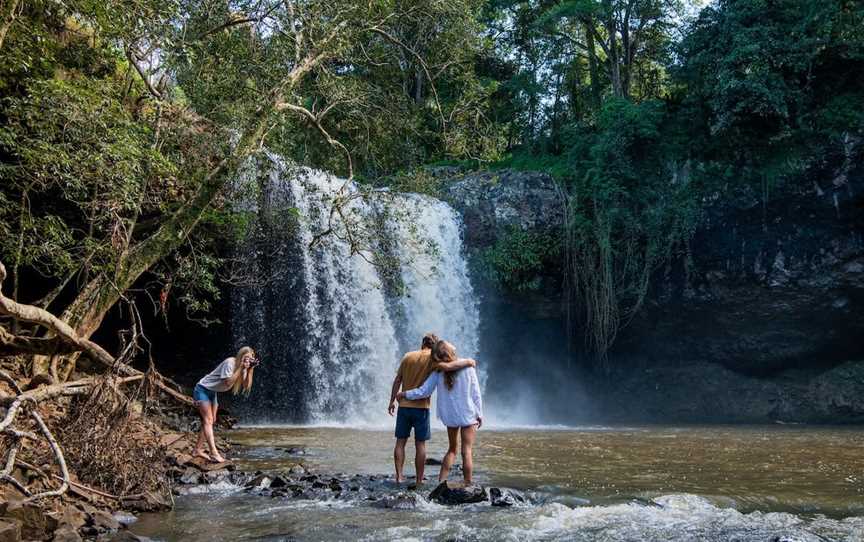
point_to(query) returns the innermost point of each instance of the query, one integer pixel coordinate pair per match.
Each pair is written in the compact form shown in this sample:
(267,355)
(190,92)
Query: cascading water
(329,324)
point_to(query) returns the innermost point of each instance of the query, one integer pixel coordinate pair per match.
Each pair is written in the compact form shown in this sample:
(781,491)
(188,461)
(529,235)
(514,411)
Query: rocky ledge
(376,490)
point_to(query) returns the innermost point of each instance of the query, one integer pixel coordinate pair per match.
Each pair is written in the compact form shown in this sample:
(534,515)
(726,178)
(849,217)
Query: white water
(333,328)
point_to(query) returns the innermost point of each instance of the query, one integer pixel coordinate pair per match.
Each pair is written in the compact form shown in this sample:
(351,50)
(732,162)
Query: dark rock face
(761,321)
(449,493)
(492,202)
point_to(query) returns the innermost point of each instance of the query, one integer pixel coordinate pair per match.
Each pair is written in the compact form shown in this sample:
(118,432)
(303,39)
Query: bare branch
(315,120)
(397,41)
(145,77)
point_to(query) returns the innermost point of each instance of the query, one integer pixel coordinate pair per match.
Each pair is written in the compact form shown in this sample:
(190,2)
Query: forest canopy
(124,123)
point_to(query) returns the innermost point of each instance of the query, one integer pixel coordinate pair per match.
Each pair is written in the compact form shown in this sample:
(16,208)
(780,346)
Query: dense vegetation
(124,123)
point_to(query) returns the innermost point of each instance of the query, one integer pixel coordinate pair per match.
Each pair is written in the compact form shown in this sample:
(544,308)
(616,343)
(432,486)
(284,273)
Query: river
(713,483)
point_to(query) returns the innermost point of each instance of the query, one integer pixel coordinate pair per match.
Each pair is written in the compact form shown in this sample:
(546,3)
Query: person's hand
(472,362)
(479,422)
(391,408)
(400,396)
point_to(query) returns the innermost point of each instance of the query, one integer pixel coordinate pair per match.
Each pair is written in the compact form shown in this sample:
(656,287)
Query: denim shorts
(202,394)
(416,418)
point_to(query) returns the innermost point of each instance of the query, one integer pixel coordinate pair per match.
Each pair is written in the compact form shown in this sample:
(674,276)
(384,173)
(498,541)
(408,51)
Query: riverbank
(81,458)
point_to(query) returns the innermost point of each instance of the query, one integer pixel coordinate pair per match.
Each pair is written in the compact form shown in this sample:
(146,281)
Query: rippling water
(594,484)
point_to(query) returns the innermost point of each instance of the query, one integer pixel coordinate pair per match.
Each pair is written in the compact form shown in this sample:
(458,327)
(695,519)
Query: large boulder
(452,493)
(492,202)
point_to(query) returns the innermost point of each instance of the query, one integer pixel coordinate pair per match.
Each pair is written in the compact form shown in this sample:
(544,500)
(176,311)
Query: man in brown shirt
(414,369)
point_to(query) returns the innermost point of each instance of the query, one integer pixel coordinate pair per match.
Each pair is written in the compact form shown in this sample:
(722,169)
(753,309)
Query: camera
(254,362)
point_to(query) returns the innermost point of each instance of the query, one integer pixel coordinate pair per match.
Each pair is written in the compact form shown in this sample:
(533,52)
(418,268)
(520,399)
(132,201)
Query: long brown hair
(444,352)
(429,341)
(240,384)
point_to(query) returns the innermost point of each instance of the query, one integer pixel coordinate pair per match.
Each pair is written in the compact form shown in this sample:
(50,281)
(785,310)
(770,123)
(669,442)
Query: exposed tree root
(92,417)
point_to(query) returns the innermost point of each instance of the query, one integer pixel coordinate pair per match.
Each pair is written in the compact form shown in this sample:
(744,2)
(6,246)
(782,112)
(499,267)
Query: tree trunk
(7,17)
(592,66)
(87,311)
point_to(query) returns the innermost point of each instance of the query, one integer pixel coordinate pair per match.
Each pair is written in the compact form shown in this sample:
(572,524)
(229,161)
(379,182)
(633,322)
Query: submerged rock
(402,501)
(260,482)
(505,497)
(451,493)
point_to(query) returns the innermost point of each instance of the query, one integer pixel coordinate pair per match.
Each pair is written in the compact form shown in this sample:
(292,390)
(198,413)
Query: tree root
(62,338)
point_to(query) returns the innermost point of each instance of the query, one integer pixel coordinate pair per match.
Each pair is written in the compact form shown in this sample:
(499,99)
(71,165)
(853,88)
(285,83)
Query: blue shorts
(202,394)
(416,418)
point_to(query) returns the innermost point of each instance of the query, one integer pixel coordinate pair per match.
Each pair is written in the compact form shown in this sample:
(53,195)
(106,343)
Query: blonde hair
(444,352)
(240,382)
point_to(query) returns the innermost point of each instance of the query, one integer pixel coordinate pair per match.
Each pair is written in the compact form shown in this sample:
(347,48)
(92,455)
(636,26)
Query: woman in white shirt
(229,375)
(460,407)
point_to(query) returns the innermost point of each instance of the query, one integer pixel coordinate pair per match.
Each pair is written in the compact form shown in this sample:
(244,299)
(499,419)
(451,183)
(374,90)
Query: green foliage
(519,258)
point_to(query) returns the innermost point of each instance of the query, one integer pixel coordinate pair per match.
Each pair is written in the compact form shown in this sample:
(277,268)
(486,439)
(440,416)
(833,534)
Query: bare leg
(450,456)
(208,432)
(399,458)
(419,460)
(204,412)
(468,435)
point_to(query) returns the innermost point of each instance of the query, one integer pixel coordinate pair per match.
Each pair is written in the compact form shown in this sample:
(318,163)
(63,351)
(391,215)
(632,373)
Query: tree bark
(592,65)
(7,12)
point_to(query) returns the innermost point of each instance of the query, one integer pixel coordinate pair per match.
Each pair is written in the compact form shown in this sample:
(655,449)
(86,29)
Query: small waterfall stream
(330,326)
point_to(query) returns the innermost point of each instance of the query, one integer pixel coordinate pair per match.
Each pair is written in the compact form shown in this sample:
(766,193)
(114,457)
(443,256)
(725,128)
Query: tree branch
(389,37)
(315,120)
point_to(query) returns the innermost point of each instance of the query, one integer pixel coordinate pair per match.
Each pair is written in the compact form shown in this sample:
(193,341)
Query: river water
(771,483)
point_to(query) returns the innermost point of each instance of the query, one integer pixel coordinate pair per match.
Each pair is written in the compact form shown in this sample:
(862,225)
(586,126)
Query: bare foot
(217,458)
(201,453)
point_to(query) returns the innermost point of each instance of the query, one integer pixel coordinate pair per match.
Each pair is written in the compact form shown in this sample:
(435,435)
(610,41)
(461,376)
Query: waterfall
(331,324)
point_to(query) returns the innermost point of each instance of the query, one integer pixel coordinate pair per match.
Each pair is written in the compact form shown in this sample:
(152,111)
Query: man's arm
(460,363)
(397,383)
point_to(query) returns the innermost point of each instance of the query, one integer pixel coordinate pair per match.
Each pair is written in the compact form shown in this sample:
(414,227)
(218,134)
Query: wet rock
(10,530)
(260,482)
(207,466)
(191,476)
(402,501)
(35,524)
(148,502)
(279,482)
(216,476)
(293,450)
(102,521)
(125,536)
(505,497)
(124,518)
(66,533)
(451,493)
(432,461)
(297,470)
(240,478)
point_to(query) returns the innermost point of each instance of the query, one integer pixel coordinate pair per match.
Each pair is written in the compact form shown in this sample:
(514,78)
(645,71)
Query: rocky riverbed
(600,484)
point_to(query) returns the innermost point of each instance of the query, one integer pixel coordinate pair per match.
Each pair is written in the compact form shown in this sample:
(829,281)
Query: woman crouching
(233,374)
